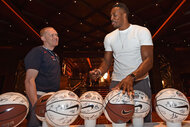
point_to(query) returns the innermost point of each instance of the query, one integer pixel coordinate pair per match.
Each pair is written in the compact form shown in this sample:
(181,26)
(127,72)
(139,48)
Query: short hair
(122,6)
(43,31)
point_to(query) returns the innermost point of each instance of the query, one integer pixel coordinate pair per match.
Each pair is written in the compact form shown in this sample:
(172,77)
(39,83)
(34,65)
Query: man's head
(119,15)
(49,37)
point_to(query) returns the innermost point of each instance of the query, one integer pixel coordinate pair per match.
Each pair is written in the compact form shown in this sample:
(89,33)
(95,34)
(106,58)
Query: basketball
(13,109)
(62,108)
(91,105)
(171,105)
(142,104)
(40,108)
(119,107)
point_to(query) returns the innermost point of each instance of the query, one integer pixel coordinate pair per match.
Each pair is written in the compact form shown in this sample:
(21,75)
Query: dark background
(82,26)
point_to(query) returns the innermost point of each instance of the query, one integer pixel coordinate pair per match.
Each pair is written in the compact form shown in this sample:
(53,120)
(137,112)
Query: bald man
(42,71)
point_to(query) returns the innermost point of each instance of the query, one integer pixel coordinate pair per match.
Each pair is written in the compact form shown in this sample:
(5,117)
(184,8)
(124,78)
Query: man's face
(51,37)
(117,17)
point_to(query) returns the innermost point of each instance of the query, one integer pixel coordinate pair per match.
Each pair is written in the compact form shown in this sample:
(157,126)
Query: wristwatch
(133,75)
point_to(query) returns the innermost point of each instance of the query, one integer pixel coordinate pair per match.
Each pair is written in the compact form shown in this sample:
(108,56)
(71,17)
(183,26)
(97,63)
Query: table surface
(154,124)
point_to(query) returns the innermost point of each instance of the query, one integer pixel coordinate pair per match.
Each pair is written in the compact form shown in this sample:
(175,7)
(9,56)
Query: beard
(115,25)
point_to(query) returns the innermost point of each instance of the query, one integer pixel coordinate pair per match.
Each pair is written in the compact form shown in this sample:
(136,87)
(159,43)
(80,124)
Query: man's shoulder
(139,28)
(111,34)
(37,48)
(134,26)
(35,51)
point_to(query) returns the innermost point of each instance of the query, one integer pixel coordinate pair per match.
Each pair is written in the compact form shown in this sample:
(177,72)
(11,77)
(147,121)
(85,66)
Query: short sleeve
(107,44)
(145,37)
(33,59)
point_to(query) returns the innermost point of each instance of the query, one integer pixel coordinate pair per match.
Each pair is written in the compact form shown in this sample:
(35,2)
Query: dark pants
(144,86)
(31,118)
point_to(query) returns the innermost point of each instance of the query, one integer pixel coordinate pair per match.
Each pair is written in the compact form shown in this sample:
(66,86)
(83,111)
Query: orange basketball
(13,109)
(41,106)
(119,107)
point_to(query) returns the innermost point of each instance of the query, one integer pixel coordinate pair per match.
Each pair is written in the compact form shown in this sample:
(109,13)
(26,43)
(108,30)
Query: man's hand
(126,84)
(94,74)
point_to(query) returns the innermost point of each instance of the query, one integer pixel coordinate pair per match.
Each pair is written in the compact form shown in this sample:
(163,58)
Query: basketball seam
(92,101)
(163,115)
(140,112)
(92,112)
(142,102)
(172,99)
(61,113)
(114,95)
(114,112)
(53,121)
(13,104)
(172,111)
(61,101)
(15,116)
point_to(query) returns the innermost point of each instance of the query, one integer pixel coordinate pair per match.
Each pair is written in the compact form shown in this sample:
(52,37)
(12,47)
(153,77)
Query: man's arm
(107,61)
(30,85)
(144,67)
(147,64)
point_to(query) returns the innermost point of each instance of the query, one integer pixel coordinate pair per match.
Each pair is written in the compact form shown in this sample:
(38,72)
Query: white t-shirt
(126,47)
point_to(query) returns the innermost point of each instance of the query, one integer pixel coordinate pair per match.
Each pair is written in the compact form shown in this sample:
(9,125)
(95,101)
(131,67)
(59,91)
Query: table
(153,124)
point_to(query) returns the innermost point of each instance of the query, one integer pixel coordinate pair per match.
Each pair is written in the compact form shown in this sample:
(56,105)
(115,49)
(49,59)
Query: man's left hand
(126,85)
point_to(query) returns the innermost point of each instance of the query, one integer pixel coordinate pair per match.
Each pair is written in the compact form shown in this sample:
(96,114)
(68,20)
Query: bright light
(163,82)
(105,75)
(101,79)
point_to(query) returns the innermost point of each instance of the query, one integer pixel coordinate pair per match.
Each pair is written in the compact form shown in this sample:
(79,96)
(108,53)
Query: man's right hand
(94,74)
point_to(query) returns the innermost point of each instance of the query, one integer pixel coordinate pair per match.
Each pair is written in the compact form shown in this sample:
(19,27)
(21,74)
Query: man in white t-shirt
(131,48)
